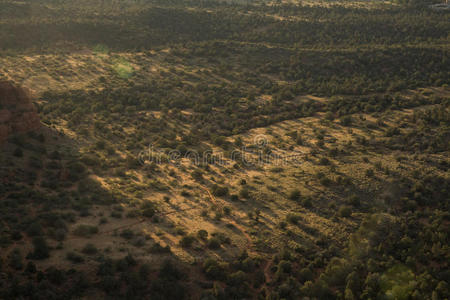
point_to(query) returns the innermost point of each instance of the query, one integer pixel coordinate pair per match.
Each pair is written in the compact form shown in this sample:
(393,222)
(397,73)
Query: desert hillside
(224,150)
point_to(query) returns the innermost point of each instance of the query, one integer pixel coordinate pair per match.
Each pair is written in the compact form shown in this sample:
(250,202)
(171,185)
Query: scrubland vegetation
(331,119)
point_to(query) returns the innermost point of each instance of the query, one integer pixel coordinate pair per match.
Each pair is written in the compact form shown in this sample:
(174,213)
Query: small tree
(187,241)
(294,195)
(219,191)
(345,211)
(244,193)
(15,260)
(41,249)
(18,152)
(90,249)
(213,243)
(202,234)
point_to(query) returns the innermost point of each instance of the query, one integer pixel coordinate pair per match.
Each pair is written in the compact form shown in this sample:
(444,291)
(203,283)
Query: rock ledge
(17,112)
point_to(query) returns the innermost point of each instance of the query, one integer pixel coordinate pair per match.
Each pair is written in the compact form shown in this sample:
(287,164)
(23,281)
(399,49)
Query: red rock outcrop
(17,112)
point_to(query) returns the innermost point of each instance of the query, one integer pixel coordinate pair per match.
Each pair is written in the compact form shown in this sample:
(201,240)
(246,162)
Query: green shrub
(127,234)
(219,191)
(16,260)
(185,193)
(89,249)
(346,121)
(370,172)
(187,241)
(307,202)
(345,211)
(41,249)
(293,218)
(325,181)
(197,175)
(236,279)
(214,243)
(285,266)
(294,195)
(324,161)
(85,230)
(227,210)
(214,270)
(305,274)
(276,169)
(244,193)
(202,234)
(354,201)
(18,152)
(116,214)
(148,209)
(34,229)
(157,248)
(74,257)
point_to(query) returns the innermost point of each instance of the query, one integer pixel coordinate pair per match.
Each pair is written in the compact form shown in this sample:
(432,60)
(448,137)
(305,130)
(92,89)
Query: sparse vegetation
(85,230)
(286,150)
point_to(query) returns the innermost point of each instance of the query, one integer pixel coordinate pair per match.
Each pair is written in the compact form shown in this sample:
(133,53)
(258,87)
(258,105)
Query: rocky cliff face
(17,112)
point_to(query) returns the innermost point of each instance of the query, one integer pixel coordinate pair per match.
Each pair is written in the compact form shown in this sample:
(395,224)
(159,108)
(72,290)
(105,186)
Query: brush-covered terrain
(227,150)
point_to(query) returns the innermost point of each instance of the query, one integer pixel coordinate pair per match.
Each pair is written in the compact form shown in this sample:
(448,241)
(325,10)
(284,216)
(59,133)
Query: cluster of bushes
(405,256)
(171,23)
(238,276)
(166,285)
(119,278)
(429,133)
